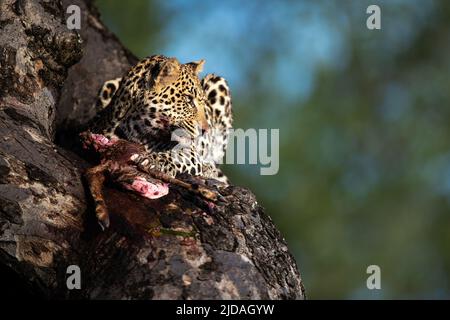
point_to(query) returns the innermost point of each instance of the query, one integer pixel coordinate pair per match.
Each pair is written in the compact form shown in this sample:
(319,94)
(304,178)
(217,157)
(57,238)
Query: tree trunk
(174,247)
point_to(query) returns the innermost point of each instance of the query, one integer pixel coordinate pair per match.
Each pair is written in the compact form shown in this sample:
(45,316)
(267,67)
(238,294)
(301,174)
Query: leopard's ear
(197,66)
(168,72)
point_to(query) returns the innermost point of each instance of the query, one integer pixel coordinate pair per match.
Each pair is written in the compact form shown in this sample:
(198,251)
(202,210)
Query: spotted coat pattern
(182,121)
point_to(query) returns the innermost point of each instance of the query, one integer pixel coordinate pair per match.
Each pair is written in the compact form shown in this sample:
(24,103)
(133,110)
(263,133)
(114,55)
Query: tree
(173,247)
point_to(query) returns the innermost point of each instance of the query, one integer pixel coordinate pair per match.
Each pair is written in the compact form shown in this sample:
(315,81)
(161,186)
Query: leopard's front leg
(165,166)
(169,162)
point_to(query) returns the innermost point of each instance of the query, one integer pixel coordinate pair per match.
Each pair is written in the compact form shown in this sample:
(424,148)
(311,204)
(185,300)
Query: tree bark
(171,248)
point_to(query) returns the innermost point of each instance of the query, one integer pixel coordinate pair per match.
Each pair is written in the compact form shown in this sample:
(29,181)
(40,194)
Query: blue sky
(230,34)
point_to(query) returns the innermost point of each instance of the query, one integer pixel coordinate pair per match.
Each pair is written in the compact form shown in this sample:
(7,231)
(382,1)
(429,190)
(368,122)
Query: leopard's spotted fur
(155,98)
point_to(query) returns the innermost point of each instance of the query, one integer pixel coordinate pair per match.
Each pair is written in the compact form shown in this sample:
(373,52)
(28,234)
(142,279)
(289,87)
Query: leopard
(182,121)
(160,96)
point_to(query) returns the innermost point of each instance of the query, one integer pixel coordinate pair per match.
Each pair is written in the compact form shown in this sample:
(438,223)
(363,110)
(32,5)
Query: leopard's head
(173,91)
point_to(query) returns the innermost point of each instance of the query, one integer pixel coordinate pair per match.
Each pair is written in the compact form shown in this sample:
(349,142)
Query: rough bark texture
(175,247)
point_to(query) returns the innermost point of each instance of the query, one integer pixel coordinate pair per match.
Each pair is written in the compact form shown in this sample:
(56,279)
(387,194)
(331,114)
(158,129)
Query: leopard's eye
(189,99)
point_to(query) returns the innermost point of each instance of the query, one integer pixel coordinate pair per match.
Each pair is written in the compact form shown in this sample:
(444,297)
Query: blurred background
(364,174)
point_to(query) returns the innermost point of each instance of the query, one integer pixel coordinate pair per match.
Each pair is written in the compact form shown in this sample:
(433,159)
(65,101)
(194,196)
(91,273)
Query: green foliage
(137,23)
